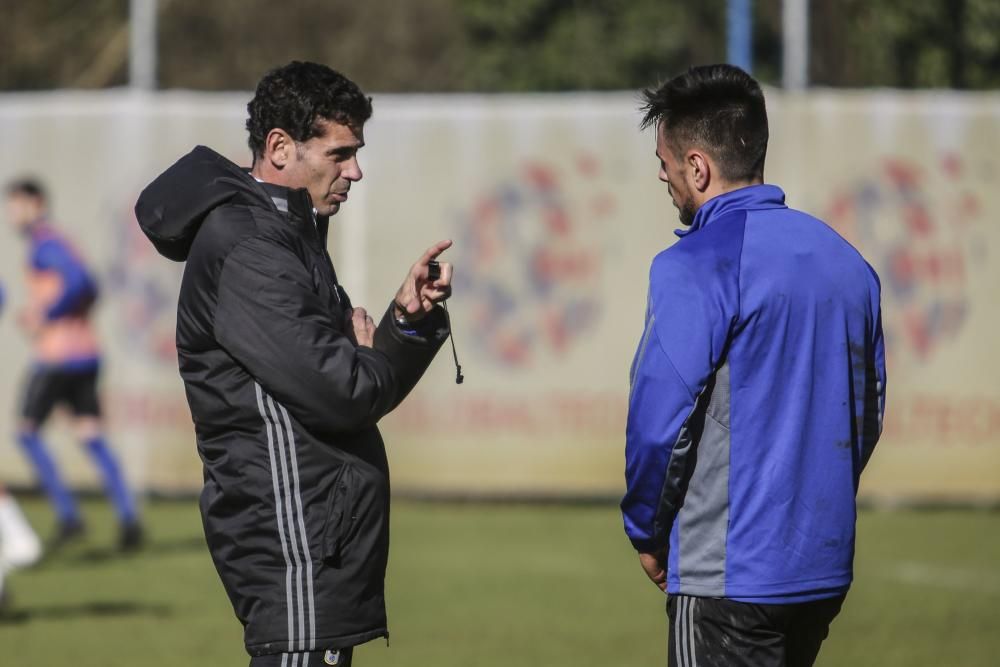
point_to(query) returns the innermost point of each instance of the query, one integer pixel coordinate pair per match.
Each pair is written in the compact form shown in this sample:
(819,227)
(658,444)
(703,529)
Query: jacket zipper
(332,283)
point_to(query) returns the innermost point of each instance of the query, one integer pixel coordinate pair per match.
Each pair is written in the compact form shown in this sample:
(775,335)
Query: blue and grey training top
(756,399)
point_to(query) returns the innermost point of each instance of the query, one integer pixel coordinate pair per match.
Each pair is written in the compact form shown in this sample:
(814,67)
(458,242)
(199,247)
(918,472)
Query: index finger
(434,251)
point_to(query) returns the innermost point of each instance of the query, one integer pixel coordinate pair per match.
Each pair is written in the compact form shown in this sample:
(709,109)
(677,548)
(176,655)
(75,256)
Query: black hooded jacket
(285,405)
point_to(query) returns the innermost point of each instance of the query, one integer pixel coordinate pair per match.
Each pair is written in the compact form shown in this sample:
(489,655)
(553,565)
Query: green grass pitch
(482,585)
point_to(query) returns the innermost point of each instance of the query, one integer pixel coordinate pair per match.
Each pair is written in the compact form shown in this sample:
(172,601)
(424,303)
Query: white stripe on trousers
(291,515)
(692,654)
(295,658)
(684,632)
(681,636)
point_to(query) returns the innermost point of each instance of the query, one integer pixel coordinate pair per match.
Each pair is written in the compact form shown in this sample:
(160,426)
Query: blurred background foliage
(495,45)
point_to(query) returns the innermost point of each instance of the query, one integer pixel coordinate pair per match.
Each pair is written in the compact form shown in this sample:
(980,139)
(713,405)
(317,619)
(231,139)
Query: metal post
(795,44)
(142,44)
(739,34)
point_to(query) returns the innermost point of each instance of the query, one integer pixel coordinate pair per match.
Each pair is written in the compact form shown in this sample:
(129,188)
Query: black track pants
(341,658)
(710,632)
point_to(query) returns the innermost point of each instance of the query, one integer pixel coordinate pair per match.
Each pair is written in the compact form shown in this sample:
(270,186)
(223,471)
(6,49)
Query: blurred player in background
(19,546)
(66,364)
(757,393)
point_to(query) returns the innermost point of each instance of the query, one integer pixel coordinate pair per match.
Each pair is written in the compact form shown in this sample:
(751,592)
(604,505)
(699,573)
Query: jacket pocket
(340,515)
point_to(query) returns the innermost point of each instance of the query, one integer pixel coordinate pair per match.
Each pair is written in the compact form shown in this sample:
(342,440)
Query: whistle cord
(459,378)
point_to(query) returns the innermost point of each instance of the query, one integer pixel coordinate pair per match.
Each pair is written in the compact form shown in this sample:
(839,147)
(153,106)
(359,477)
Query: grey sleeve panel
(679,467)
(703,520)
(690,485)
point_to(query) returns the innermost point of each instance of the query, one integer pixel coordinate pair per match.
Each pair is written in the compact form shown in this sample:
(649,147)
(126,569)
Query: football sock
(114,482)
(45,468)
(19,546)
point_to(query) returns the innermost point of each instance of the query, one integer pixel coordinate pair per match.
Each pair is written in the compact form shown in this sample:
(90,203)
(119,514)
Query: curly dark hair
(294,97)
(718,108)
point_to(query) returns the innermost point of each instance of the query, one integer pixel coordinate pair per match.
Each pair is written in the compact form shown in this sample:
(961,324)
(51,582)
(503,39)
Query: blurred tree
(440,45)
(383,44)
(63,43)
(495,45)
(524,45)
(930,44)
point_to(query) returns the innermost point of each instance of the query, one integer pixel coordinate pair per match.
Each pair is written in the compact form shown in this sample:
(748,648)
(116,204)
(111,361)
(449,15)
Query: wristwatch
(399,313)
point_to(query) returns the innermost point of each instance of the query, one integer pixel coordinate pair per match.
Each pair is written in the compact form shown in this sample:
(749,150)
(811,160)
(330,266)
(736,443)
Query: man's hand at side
(363,327)
(418,295)
(654,567)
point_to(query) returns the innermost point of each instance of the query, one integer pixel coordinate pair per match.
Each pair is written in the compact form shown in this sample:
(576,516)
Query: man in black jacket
(285,380)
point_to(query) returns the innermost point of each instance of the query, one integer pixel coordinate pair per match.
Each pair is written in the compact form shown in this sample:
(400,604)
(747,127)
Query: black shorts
(340,658)
(710,632)
(46,388)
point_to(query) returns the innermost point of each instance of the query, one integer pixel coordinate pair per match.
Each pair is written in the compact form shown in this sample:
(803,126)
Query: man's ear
(700,168)
(278,148)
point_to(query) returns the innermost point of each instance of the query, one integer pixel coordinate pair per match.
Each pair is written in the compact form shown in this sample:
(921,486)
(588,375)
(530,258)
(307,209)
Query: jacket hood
(172,208)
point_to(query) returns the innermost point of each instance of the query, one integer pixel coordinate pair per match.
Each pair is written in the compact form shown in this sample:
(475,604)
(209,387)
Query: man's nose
(353,170)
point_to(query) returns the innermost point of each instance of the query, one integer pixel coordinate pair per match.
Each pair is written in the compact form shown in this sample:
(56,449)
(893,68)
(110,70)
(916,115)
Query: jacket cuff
(410,354)
(648,546)
(432,329)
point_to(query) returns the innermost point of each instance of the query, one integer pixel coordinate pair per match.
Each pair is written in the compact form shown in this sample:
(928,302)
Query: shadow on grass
(59,612)
(83,556)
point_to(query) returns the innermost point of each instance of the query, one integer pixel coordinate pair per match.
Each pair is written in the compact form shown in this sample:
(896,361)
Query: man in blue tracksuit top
(757,393)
